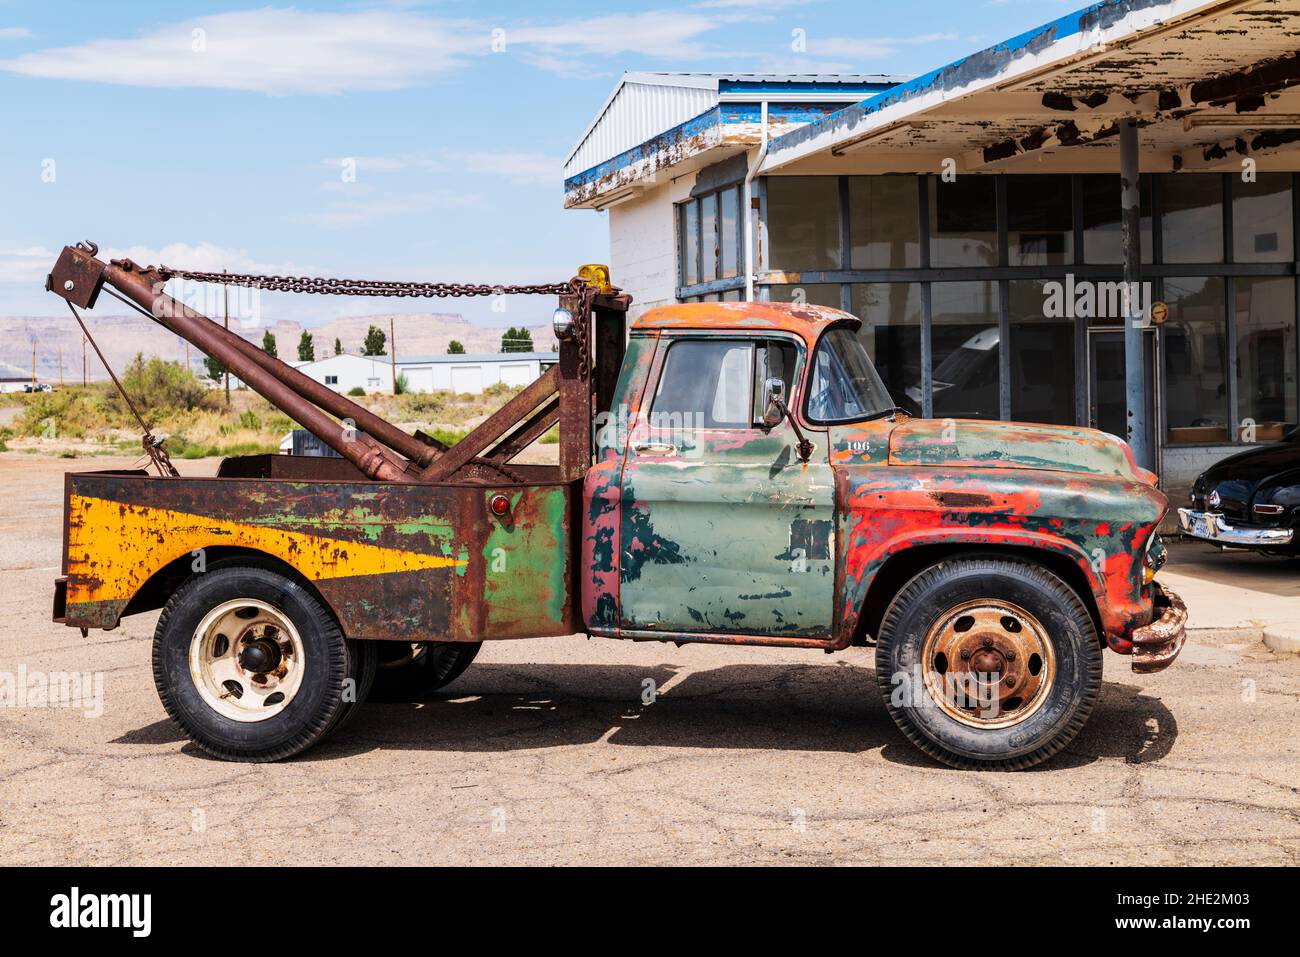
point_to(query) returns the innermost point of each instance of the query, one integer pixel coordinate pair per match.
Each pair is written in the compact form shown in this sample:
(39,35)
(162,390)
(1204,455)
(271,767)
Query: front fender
(1100,526)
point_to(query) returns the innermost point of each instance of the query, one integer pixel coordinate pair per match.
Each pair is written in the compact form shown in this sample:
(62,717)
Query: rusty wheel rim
(246,660)
(988,663)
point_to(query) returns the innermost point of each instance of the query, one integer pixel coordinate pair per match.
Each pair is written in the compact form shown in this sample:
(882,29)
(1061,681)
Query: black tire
(1066,701)
(318,701)
(363,664)
(407,671)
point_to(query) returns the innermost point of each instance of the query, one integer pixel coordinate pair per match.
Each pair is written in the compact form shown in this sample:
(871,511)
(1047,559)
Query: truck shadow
(503,708)
(784,707)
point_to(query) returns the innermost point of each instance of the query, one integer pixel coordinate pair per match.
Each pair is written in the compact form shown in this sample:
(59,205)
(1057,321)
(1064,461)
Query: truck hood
(974,443)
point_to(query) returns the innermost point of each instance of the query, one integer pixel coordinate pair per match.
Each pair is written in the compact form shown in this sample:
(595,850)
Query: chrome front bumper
(1212,527)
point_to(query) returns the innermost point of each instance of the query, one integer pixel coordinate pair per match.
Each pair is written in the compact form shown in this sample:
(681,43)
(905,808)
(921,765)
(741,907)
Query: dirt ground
(544,752)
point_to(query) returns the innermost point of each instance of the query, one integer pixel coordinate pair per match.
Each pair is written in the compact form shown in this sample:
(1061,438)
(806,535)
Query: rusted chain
(316,285)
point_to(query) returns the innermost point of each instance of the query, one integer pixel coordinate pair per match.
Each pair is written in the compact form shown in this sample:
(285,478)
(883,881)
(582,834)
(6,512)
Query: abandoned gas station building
(971,217)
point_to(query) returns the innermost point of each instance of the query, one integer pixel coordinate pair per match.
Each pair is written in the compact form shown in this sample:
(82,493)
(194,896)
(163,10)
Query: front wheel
(989,663)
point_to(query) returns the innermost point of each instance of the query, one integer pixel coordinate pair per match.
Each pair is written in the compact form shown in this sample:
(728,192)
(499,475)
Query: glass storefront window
(709,237)
(891,332)
(1042,356)
(965,345)
(1266,357)
(817,293)
(689,242)
(1262,219)
(1196,361)
(1191,217)
(803,222)
(884,223)
(1040,220)
(963,221)
(729,211)
(1102,238)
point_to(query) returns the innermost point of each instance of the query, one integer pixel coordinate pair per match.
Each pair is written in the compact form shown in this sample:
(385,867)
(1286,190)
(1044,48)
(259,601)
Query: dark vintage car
(1250,500)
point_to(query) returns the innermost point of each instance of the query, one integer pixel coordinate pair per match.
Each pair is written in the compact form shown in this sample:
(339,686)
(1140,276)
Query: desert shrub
(448,436)
(400,385)
(551,437)
(425,402)
(356,390)
(249,420)
(66,413)
(158,387)
(499,388)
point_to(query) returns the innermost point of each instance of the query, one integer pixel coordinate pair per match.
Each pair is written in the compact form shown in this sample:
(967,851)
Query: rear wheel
(409,669)
(989,663)
(251,664)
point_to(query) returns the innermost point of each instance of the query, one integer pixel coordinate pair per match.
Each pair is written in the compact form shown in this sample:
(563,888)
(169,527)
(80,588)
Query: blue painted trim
(726,114)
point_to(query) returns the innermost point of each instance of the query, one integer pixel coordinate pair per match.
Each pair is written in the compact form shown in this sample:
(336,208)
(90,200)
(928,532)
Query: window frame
(697,291)
(752,340)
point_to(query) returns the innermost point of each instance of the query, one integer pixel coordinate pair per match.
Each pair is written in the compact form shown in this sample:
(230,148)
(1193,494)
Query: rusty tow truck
(732,473)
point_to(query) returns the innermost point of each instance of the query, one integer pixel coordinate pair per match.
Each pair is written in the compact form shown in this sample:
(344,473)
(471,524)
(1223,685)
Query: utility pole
(33,362)
(392,351)
(84,380)
(225,308)
(60,365)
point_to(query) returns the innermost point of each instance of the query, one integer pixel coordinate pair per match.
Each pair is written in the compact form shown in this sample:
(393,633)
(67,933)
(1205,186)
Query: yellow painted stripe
(114,548)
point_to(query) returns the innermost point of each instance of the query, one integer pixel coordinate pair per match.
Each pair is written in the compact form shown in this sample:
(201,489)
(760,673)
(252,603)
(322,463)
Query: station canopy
(1209,85)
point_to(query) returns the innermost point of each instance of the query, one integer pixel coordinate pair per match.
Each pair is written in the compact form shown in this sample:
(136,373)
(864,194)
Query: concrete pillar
(1135,384)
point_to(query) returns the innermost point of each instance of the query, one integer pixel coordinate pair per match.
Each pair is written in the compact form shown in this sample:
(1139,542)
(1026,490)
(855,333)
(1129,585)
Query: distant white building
(14,383)
(454,373)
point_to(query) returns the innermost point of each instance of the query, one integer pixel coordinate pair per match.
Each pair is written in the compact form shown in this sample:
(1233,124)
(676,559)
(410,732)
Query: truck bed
(394,561)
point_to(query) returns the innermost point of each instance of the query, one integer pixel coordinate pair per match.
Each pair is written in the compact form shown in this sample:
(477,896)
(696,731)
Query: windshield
(844,385)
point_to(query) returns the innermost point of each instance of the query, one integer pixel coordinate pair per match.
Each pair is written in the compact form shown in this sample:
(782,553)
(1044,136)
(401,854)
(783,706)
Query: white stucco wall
(643,244)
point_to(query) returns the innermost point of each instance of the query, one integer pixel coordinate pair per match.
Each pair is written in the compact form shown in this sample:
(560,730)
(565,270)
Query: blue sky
(216,134)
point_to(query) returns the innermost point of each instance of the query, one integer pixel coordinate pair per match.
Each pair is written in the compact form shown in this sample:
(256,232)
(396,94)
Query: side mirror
(773,402)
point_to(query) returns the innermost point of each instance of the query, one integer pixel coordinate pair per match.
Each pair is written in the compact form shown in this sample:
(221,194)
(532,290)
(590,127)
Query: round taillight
(499,504)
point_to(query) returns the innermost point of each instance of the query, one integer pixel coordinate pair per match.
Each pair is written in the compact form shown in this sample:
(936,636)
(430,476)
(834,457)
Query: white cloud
(666,33)
(396,163)
(31,264)
(270,51)
(522,169)
(365,209)
(289,51)
(14,33)
(26,263)
(202,256)
(519,168)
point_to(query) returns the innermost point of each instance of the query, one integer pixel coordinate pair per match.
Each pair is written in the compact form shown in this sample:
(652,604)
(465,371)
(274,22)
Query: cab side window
(718,384)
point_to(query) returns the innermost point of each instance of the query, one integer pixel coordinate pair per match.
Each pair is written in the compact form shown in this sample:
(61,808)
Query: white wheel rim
(246,660)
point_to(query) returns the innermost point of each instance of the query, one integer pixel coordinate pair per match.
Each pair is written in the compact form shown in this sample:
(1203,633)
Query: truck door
(724,530)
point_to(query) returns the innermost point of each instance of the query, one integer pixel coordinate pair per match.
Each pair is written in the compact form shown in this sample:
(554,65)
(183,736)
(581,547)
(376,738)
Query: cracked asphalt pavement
(546,752)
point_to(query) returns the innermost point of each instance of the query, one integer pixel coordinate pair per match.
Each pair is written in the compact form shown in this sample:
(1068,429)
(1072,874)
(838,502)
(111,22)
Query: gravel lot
(544,753)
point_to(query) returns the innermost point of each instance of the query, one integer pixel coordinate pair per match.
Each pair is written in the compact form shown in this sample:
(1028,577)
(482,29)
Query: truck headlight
(1154,559)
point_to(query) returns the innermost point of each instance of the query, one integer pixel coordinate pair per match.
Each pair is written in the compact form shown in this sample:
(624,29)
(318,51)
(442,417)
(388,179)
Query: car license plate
(1200,527)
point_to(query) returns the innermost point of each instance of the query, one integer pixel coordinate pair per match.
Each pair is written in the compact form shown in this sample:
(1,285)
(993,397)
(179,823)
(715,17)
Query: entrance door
(1107,392)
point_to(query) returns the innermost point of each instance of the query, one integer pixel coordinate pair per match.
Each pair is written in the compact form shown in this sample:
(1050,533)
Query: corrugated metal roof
(644,105)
